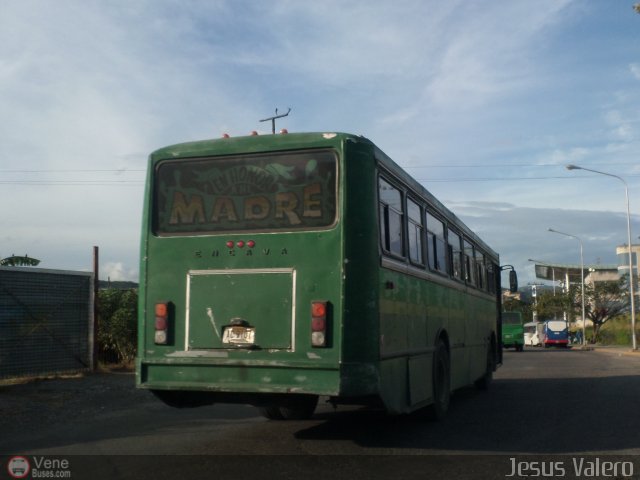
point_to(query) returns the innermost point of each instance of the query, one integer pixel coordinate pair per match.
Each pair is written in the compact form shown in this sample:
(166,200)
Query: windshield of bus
(556,325)
(511,318)
(262,192)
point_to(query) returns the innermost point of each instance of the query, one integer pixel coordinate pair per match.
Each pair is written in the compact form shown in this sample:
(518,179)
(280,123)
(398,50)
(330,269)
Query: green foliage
(515,305)
(117,325)
(551,305)
(603,301)
(617,332)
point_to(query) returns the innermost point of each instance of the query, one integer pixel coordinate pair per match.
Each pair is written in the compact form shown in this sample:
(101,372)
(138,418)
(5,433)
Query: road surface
(541,402)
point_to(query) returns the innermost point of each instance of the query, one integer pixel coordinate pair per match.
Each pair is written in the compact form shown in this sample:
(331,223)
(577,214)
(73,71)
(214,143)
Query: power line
(502,165)
(124,183)
(117,170)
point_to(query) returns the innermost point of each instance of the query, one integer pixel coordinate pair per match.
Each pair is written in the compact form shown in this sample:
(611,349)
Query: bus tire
(483,382)
(300,408)
(441,381)
(271,413)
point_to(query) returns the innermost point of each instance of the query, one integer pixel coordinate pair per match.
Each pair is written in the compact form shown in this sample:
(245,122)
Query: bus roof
(285,141)
(256,143)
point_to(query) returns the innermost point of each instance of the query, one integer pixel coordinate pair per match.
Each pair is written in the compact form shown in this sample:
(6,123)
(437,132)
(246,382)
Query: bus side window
(455,254)
(469,267)
(481,270)
(491,277)
(416,233)
(391,218)
(436,247)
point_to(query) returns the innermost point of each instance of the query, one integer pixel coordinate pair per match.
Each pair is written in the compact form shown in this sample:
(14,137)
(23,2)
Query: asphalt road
(541,402)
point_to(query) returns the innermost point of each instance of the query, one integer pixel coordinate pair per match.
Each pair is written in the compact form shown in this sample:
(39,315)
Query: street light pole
(584,320)
(631,273)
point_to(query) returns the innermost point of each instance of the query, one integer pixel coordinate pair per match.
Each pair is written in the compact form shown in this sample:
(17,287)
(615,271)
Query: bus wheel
(441,380)
(483,382)
(271,413)
(300,409)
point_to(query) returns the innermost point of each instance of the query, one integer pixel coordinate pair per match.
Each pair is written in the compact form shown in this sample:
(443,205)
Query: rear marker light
(240,244)
(319,324)
(161,336)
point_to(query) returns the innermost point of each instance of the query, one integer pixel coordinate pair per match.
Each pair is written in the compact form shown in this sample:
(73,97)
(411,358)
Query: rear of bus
(241,288)
(512,331)
(556,333)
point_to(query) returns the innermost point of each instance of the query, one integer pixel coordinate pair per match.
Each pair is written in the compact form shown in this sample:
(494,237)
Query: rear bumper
(237,378)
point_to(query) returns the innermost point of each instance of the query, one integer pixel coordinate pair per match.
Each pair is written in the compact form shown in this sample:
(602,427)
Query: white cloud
(518,234)
(563,157)
(117,271)
(98,85)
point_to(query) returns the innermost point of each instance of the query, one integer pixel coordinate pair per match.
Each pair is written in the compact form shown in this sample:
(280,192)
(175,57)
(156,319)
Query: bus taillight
(319,324)
(162,323)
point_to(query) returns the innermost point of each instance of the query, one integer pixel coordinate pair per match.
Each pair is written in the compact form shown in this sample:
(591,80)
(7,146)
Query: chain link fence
(46,322)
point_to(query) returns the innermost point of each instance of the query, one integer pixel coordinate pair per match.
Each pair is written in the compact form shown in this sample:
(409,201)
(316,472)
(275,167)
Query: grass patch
(617,332)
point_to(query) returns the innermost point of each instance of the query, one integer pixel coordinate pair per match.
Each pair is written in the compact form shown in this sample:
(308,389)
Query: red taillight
(318,309)
(161,309)
(319,324)
(162,323)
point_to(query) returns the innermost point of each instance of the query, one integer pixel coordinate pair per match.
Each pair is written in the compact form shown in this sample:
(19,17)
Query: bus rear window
(265,192)
(509,318)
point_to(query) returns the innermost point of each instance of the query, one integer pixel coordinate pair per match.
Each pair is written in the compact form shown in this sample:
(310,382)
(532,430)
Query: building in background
(564,274)
(622,253)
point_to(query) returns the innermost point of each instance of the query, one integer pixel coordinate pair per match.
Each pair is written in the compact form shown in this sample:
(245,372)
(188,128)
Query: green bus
(277,269)
(513,331)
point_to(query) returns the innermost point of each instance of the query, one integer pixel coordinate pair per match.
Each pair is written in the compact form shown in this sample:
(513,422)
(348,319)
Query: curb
(617,351)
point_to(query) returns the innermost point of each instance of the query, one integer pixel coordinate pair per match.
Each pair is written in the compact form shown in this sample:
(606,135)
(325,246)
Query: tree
(117,326)
(551,305)
(515,305)
(603,301)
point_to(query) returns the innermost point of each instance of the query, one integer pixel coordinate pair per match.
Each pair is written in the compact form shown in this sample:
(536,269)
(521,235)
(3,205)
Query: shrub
(117,325)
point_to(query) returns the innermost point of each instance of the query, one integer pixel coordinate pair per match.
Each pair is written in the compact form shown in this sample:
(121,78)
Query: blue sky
(483,102)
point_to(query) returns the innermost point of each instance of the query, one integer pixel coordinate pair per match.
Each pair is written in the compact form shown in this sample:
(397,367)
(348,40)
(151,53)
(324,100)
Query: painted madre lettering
(252,192)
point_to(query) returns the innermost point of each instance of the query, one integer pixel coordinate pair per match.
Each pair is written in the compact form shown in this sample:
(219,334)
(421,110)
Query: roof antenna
(273,119)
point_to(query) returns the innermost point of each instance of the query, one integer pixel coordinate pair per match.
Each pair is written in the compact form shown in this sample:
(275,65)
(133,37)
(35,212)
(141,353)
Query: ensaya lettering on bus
(281,191)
